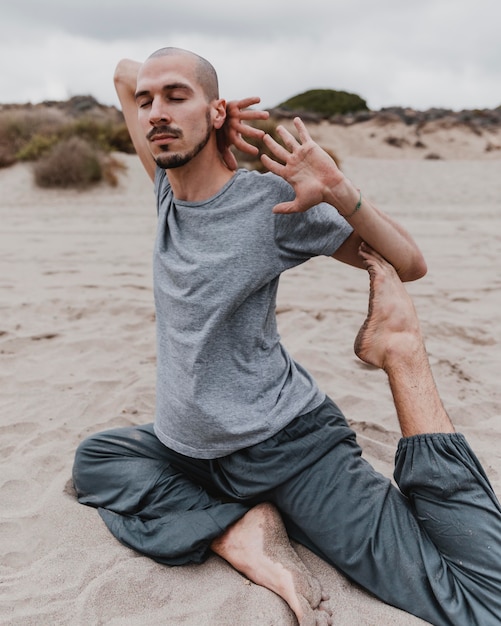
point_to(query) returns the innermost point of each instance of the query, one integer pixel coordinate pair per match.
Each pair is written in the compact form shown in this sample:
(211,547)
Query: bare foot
(391,339)
(258,547)
(391,330)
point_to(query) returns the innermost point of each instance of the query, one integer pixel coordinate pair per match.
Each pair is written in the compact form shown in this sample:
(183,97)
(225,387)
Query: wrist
(346,198)
(355,209)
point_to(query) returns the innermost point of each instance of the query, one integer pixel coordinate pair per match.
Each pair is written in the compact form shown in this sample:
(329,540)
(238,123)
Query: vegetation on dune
(75,162)
(325,102)
(73,143)
(70,143)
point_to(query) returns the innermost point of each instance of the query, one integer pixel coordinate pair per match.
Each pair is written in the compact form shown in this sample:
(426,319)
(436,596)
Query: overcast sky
(418,53)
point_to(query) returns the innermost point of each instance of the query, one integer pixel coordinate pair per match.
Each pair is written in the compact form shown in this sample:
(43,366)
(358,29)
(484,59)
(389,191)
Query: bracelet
(357,207)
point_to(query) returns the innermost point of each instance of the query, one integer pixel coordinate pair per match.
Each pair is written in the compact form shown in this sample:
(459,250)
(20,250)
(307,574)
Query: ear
(218,113)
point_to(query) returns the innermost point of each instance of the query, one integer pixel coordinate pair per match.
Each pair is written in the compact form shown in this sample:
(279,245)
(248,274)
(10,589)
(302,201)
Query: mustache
(164,130)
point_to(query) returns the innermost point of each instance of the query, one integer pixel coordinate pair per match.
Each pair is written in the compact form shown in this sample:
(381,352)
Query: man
(246,451)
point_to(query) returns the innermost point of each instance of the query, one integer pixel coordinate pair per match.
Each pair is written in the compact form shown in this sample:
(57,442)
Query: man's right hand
(234,131)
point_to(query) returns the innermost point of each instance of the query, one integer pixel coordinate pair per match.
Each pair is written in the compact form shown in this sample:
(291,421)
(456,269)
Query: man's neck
(200,179)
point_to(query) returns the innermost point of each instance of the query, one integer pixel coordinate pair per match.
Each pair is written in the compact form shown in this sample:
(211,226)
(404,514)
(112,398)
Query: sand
(77,355)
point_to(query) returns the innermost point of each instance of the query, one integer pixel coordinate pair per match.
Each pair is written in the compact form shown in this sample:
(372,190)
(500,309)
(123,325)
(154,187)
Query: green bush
(325,102)
(37,146)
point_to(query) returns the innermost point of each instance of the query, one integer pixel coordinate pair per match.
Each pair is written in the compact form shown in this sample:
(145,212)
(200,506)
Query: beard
(170,160)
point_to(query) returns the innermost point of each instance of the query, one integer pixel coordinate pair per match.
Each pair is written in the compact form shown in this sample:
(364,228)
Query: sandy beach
(77,355)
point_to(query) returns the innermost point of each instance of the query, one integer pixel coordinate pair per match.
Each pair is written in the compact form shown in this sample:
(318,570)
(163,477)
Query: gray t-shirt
(224,381)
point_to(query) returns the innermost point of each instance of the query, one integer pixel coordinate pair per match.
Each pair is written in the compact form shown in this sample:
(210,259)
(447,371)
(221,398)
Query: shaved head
(205,74)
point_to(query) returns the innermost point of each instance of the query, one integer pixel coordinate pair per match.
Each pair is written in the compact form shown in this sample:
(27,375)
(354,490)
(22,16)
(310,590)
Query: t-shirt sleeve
(318,231)
(161,186)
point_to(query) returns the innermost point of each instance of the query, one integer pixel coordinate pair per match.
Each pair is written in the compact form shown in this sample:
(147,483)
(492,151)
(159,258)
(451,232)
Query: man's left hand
(311,172)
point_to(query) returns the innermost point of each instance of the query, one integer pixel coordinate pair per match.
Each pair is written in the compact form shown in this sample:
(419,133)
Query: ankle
(404,353)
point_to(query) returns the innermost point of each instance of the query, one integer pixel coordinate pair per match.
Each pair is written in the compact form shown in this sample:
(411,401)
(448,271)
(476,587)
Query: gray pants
(432,548)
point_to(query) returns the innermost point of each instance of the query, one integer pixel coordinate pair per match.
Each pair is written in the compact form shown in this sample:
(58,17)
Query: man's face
(172,110)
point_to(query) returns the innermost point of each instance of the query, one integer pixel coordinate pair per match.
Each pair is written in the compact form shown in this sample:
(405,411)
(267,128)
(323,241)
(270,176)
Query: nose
(158,112)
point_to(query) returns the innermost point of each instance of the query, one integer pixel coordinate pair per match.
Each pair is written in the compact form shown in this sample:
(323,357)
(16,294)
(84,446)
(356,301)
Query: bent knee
(87,456)
(106,462)
(92,459)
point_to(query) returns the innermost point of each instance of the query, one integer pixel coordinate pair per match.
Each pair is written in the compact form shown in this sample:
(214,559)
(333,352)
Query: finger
(276,149)
(289,207)
(254,114)
(287,137)
(246,102)
(272,165)
(229,159)
(250,131)
(303,133)
(244,146)
(240,109)
(284,207)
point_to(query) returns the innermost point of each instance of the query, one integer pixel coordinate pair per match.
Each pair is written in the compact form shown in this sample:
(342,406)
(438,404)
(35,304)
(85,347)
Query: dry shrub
(12,136)
(111,167)
(396,142)
(119,139)
(18,127)
(105,134)
(29,133)
(26,133)
(71,163)
(7,155)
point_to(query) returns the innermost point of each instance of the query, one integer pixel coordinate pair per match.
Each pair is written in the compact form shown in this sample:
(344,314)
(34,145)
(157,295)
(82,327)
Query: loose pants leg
(432,549)
(146,503)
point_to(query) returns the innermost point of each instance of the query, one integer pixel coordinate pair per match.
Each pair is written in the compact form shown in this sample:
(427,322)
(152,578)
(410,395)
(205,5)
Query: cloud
(114,19)
(431,53)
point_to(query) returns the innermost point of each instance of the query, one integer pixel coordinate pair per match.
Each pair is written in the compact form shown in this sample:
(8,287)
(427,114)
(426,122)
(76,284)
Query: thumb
(287,207)
(230,159)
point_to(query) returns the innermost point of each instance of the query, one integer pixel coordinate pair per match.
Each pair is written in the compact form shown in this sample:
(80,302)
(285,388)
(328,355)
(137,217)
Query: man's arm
(393,242)
(316,178)
(125,84)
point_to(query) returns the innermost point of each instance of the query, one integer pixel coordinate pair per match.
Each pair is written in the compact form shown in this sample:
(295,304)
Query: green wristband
(357,207)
